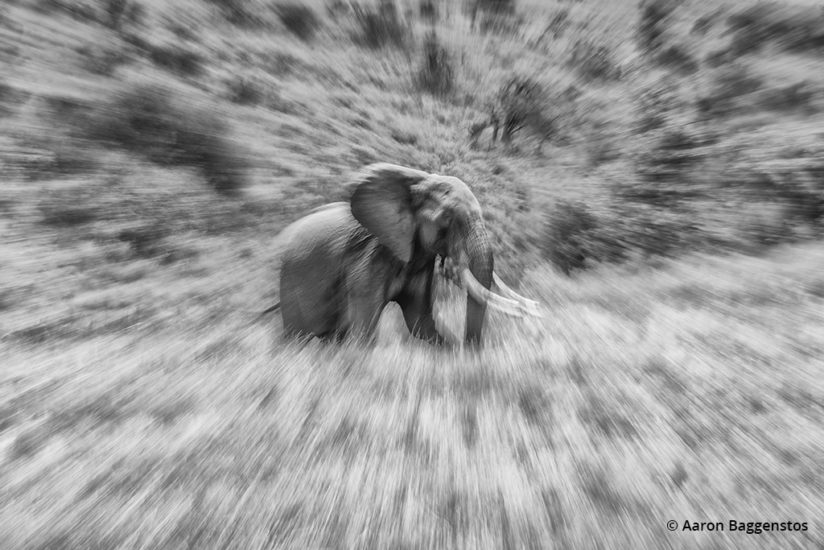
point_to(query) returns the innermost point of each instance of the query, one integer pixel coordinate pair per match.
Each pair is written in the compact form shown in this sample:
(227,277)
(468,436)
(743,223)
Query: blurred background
(652,172)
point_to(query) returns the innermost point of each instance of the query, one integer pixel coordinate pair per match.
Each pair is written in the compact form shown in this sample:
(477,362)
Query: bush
(183,31)
(498,15)
(600,143)
(112,13)
(7,96)
(145,241)
(82,11)
(239,12)
(428,9)
(654,106)
(651,24)
(677,59)
(380,27)
(799,189)
(435,74)
(668,162)
(337,8)
(519,103)
(64,210)
(178,60)
(704,23)
(559,23)
(717,58)
(730,88)
(148,121)
(797,96)
(245,91)
(491,7)
(575,237)
(299,19)
(121,12)
(593,62)
(102,61)
(794,28)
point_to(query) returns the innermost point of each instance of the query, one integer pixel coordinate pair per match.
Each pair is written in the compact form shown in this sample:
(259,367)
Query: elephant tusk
(531,305)
(482,294)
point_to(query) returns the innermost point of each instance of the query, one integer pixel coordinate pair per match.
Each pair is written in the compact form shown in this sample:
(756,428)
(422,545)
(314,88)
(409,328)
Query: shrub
(492,7)
(238,12)
(677,59)
(493,14)
(66,216)
(82,11)
(519,103)
(654,106)
(575,237)
(600,143)
(794,28)
(58,159)
(435,74)
(651,231)
(593,62)
(150,122)
(704,23)
(729,89)
(559,23)
(651,24)
(336,8)
(145,241)
(380,27)
(178,60)
(183,31)
(112,13)
(102,61)
(6,92)
(120,12)
(766,223)
(10,98)
(299,19)
(717,58)
(245,91)
(797,96)
(428,9)
(800,189)
(674,154)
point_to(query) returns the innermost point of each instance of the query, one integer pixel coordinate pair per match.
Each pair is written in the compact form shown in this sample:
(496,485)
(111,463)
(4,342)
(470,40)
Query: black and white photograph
(411,274)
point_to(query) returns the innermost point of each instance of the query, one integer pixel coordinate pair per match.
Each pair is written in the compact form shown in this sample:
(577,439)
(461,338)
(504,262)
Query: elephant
(342,263)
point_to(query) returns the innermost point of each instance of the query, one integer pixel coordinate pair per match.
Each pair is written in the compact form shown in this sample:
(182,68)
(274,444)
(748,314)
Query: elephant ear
(382,202)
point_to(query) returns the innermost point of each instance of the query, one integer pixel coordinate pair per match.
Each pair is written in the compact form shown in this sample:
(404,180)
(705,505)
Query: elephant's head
(418,215)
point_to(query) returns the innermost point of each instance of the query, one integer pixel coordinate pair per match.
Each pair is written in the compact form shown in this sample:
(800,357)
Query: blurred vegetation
(610,136)
(299,19)
(660,136)
(148,121)
(436,74)
(380,25)
(151,152)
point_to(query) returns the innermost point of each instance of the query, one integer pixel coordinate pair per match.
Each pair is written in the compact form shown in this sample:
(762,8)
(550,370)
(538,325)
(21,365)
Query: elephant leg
(416,305)
(309,298)
(363,300)
(421,325)
(361,316)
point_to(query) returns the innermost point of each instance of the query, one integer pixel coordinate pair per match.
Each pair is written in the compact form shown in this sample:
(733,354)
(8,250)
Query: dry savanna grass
(661,197)
(691,392)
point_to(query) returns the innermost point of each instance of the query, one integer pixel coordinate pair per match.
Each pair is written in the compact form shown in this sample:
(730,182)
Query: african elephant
(343,262)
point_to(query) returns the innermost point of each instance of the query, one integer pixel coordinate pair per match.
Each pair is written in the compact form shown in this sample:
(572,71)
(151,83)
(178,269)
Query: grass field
(664,202)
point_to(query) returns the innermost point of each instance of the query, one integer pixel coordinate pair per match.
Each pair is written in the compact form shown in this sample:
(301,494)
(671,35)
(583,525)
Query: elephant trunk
(481,267)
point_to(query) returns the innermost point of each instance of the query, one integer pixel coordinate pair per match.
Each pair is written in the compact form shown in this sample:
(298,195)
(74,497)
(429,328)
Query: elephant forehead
(455,192)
